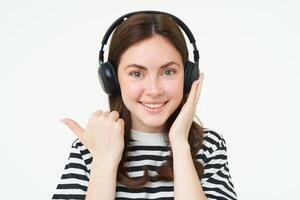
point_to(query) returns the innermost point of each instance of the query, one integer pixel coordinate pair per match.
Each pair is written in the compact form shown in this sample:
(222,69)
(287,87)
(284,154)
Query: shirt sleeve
(74,180)
(216,180)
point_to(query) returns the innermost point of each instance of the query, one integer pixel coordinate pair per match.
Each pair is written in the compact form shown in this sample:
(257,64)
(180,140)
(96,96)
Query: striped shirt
(150,149)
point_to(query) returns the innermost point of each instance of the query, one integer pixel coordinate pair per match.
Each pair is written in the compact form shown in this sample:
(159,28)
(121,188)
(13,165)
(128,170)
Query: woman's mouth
(153,107)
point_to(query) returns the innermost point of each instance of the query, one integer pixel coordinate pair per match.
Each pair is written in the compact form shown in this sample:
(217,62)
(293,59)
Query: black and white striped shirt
(152,150)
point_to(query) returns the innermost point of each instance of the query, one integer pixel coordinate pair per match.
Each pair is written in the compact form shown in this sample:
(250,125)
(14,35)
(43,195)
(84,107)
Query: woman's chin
(154,125)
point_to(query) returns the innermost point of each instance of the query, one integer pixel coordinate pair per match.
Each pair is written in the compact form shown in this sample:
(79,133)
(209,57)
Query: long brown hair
(135,29)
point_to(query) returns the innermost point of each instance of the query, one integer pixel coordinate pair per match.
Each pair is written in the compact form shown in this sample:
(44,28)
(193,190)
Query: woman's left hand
(179,130)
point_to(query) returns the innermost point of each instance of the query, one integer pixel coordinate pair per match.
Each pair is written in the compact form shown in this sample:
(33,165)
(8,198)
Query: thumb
(74,126)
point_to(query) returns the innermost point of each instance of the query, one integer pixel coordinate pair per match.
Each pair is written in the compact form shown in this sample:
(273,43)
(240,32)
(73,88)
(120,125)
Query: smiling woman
(151,91)
(147,146)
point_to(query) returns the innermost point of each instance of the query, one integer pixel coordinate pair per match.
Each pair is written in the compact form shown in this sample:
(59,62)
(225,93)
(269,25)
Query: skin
(152,84)
(146,85)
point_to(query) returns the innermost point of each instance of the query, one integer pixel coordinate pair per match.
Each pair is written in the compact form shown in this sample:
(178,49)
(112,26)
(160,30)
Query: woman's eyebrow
(144,68)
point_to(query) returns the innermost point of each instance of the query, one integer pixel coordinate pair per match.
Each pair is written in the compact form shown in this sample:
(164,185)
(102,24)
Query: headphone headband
(179,22)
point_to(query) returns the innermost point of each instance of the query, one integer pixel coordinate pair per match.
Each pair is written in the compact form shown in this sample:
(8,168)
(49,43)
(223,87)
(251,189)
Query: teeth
(153,105)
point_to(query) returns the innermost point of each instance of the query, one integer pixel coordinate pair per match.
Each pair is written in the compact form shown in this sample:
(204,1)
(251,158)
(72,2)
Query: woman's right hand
(103,136)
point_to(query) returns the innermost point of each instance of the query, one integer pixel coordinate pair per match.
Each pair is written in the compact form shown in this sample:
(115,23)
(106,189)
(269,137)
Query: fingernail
(62,121)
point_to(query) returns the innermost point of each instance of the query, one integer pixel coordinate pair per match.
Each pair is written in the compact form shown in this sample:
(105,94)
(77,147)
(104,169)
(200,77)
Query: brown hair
(135,29)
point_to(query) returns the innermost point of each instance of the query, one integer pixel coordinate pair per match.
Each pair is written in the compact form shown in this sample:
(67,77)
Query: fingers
(97,113)
(114,115)
(194,94)
(199,88)
(120,124)
(75,127)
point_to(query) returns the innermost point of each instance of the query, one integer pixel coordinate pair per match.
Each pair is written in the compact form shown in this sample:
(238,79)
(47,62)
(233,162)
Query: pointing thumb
(74,126)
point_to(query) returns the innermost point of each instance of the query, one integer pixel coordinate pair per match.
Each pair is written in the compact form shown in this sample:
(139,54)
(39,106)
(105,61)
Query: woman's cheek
(133,90)
(174,89)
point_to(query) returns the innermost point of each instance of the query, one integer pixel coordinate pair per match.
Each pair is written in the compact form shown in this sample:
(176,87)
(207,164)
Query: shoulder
(213,148)
(213,140)
(216,180)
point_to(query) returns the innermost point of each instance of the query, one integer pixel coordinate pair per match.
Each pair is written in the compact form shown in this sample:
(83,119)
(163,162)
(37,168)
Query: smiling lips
(153,107)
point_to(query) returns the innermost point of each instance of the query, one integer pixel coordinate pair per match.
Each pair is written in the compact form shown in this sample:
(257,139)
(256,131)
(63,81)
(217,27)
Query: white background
(249,54)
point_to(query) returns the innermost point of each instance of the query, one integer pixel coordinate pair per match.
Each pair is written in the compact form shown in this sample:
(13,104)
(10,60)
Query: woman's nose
(153,87)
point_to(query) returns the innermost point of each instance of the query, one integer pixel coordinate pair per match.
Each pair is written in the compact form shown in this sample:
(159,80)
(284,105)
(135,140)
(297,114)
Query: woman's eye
(135,74)
(138,74)
(169,72)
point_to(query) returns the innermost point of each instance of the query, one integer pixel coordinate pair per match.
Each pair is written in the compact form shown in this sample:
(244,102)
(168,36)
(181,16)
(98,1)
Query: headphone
(107,72)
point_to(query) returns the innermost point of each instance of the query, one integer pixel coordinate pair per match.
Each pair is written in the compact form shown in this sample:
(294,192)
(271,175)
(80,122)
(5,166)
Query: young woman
(148,145)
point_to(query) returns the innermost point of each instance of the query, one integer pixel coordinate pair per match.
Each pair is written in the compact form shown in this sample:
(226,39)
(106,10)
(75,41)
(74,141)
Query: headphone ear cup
(108,78)
(191,73)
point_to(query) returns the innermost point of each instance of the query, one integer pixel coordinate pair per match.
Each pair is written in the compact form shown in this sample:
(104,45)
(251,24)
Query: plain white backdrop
(249,52)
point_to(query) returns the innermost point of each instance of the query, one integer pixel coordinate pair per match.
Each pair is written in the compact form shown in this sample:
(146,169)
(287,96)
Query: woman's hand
(179,130)
(103,136)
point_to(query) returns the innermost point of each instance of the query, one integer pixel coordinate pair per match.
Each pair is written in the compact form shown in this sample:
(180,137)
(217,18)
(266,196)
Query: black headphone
(107,72)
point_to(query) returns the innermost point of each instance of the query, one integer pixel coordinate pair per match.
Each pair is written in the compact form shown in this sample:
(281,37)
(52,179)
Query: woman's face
(151,76)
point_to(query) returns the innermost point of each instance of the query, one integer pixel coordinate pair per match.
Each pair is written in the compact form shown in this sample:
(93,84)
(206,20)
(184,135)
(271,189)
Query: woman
(147,146)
